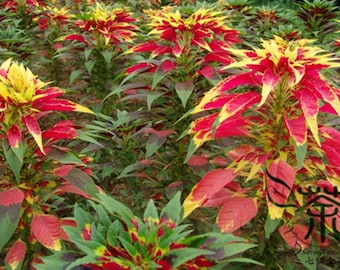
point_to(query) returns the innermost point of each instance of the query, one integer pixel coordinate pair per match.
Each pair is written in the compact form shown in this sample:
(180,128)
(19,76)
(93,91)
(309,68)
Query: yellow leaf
(189,205)
(275,212)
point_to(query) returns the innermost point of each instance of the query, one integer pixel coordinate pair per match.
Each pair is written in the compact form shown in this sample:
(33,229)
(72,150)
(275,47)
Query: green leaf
(184,91)
(14,161)
(173,209)
(128,247)
(270,226)
(64,157)
(191,150)
(79,179)
(112,233)
(90,258)
(107,56)
(113,206)
(182,255)
(158,76)
(59,260)
(150,211)
(135,166)
(9,218)
(245,260)
(300,151)
(89,66)
(151,97)
(81,216)
(235,248)
(308,259)
(87,53)
(74,75)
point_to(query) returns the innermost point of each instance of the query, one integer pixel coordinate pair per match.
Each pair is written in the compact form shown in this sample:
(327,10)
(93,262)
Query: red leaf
(142,67)
(34,129)
(238,104)
(231,82)
(219,198)
(297,129)
(14,136)
(68,188)
(168,66)
(46,229)
(16,255)
(45,94)
(210,184)
(236,212)
(61,130)
(198,161)
(66,222)
(310,107)
(280,180)
(295,236)
(145,47)
(207,71)
(77,37)
(309,102)
(57,105)
(11,196)
(324,89)
(63,170)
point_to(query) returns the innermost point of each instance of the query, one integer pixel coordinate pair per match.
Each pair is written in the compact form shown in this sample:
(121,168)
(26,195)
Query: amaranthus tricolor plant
(274,109)
(184,45)
(35,169)
(103,32)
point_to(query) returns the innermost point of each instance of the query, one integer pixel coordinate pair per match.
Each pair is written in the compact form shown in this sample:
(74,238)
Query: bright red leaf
(14,136)
(297,129)
(280,179)
(235,212)
(295,236)
(11,196)
(46,229)
(34,129)
(210,184)
(16,255)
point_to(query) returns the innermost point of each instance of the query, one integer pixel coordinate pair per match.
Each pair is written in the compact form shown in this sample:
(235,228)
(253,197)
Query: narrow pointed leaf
(310,107)
(34,129)
(327,93)
(269,80)
(229,83)
(14,136)
(297,129)
(236,105)
(300,152)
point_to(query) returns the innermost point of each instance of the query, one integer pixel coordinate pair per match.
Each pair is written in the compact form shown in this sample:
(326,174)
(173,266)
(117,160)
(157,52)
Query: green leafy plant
(117,239)
(319,18)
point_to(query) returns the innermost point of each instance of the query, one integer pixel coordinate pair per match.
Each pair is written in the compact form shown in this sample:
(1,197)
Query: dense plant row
(231,105)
